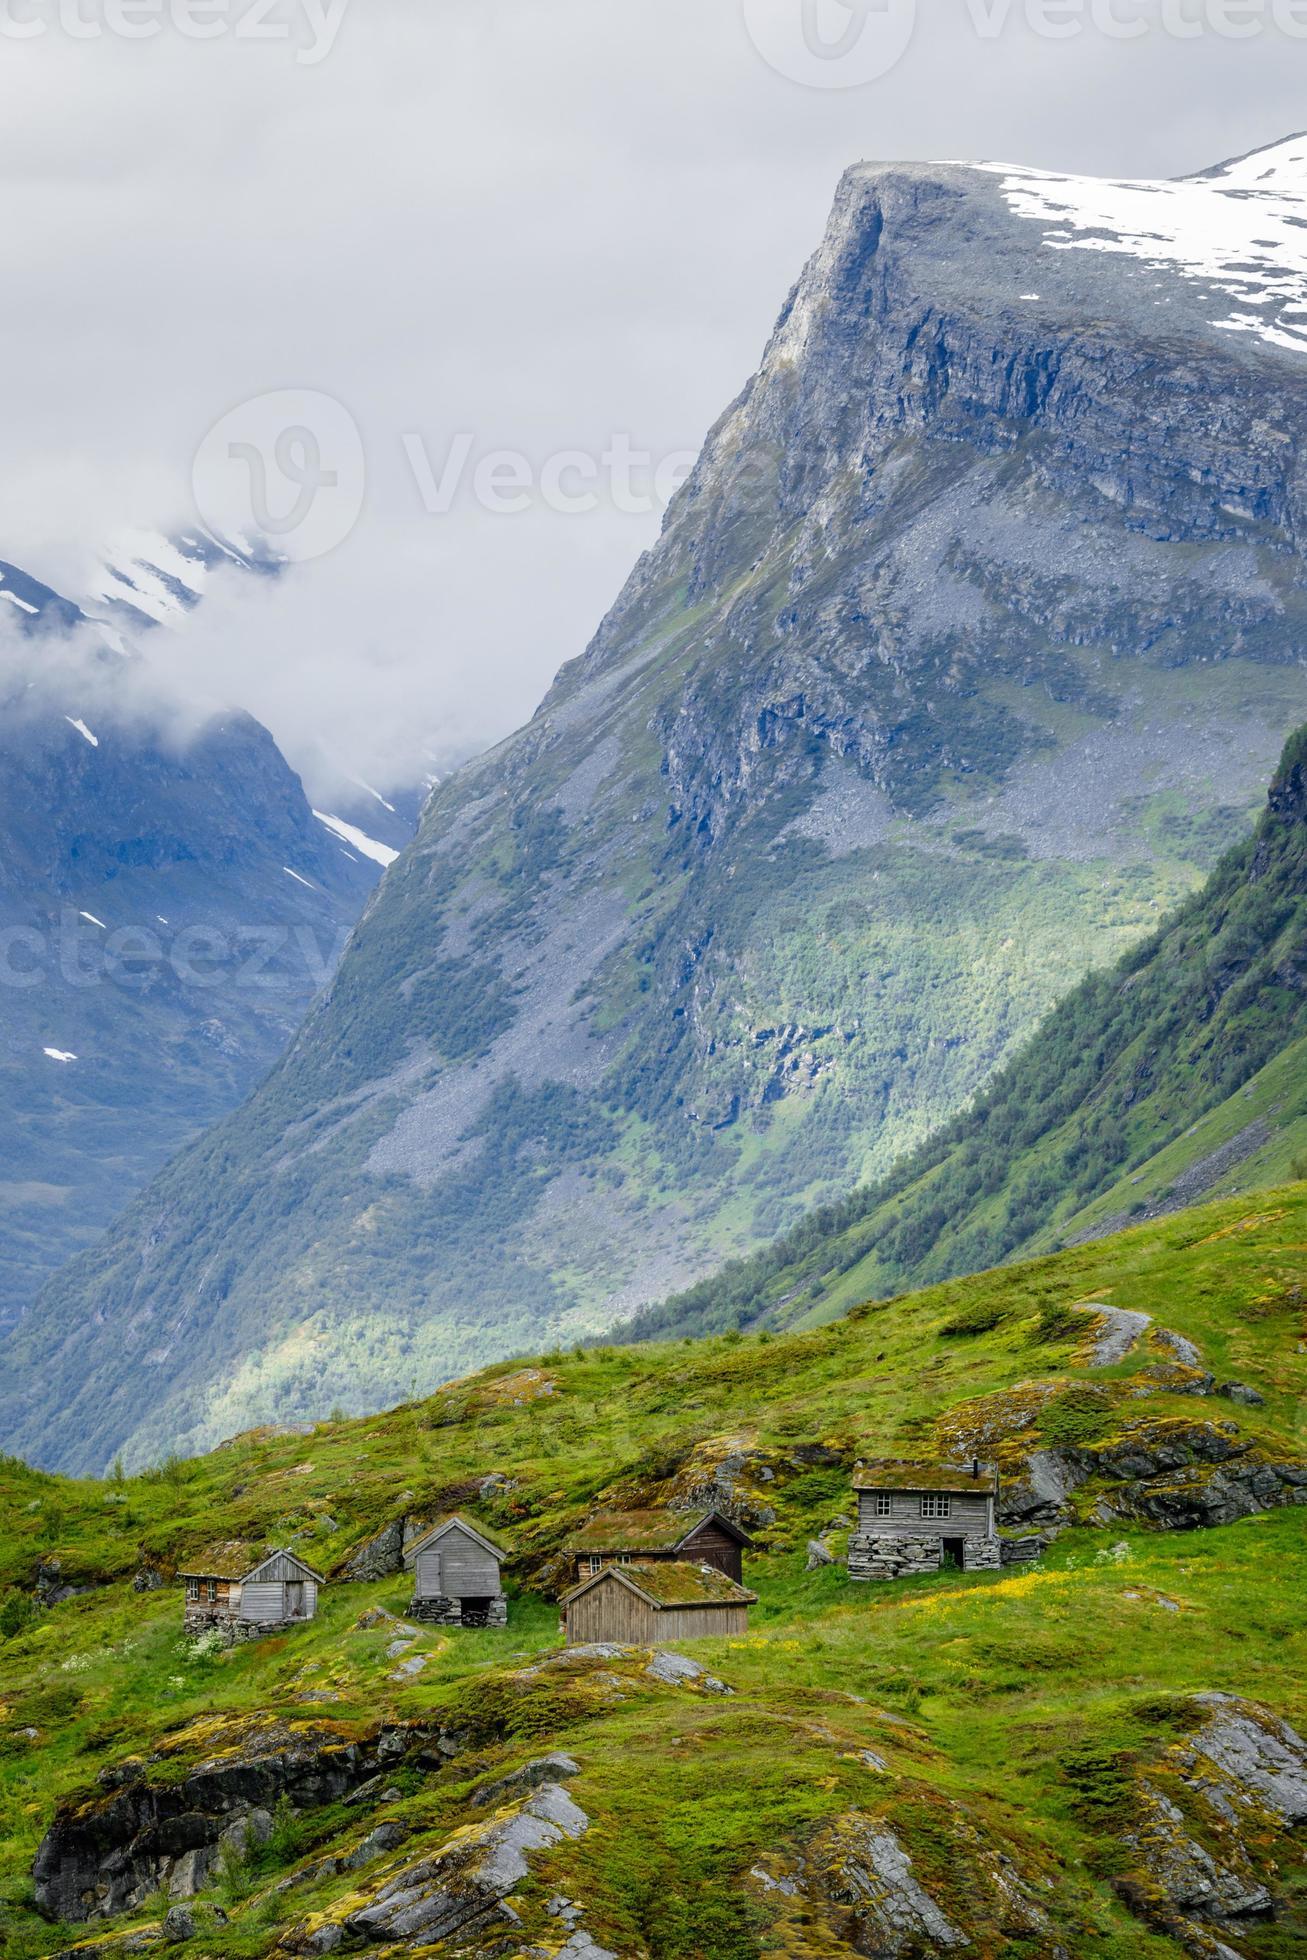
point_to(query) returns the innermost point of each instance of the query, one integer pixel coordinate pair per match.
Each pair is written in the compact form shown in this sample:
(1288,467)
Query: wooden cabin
(919,1517)
(651,1601)
(246,1592)
(621,1537)
(456,1576)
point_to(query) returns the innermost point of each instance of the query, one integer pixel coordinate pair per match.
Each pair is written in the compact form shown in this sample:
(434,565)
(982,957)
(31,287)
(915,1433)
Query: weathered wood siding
(969,1515)
(263,1602)
(280,1568)
(713,1546)
(465,1570)
(702,1622)
(267,1602)
(426,1579)
(610,1611)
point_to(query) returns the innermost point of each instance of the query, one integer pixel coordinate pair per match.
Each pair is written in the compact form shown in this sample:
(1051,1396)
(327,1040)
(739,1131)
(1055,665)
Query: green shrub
(982,1318)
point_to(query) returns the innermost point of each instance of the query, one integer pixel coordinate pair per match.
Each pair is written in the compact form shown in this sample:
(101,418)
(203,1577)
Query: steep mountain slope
(1179,1073)
(1095,1754)
(168,906)
(970,643)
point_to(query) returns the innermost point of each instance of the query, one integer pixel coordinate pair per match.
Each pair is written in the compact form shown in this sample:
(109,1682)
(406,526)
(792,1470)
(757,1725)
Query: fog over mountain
(455,225)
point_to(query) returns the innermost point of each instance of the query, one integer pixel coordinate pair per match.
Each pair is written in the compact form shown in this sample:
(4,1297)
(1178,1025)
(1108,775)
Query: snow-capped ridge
(1242,227)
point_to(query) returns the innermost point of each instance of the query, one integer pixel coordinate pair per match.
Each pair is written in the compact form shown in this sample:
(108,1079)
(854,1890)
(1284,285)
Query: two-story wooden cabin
(917,1517)
(456,1575)
(656,1537)
(649,1601)
(246,1593)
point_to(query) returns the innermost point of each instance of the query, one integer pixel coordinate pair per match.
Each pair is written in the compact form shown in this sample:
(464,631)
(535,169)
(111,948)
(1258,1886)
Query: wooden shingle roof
(645,1531)
(668,1583)
(981,1481)
(494,1545)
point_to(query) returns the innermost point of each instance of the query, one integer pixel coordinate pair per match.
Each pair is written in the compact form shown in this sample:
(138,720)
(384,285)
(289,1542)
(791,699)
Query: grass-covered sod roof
(639,1531)
(672,1582)
(926,1476)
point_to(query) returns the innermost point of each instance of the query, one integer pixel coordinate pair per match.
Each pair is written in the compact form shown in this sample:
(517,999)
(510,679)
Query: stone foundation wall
(1024,1551)
(234,1631)
(448,1612)
(904,1555)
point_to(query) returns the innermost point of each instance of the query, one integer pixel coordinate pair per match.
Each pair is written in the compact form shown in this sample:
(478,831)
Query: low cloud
(540,227)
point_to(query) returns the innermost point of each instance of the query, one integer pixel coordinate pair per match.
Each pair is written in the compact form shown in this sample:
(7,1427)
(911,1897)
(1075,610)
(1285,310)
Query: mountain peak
(1279,167)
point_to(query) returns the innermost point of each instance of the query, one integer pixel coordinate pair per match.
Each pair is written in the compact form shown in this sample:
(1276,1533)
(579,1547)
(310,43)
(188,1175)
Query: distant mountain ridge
(968,647)
(168,906)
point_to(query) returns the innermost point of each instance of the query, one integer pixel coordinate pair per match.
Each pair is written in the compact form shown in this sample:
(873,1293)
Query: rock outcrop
(1210,1825)
(458,1889)
(104,1855)
(890,1891)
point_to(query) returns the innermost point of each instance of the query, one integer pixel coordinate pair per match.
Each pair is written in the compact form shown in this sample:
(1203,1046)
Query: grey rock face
(1209,1823)
(1257,1751)
(857,1878)
(458,1890)
(106,1857)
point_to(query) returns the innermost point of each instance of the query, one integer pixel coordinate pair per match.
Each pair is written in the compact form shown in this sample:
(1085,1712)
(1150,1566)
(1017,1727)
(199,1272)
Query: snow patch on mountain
(349,833)
(1242,227)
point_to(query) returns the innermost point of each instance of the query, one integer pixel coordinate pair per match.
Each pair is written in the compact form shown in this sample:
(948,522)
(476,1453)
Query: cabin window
(935,1505)
(193,1590)
(595,1563)
(884,1504)
(626,1558)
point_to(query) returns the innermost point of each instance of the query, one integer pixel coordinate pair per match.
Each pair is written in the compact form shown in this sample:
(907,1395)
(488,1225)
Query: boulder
(557,1768)
(179,1925)
(460,1888)
(1240,1392)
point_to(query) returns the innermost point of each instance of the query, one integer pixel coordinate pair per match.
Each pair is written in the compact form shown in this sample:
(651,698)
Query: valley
(968,648)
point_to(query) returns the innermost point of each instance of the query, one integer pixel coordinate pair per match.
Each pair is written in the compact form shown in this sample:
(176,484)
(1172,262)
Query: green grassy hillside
(1176,1075)
(1009,1733)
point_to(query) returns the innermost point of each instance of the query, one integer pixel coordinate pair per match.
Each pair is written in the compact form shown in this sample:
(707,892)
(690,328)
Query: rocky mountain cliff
(168,906)
(969,645)
(1178,1075)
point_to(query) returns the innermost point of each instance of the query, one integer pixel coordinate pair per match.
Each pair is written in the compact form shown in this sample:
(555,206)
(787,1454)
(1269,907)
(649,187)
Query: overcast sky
(535,225)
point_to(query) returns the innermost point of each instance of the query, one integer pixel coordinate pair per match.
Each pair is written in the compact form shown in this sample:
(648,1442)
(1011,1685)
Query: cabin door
(295,1599)
(955,1553)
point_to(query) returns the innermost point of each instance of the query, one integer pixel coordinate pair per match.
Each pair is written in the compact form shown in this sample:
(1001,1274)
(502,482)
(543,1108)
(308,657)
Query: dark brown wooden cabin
(621,1537)
(651,1601)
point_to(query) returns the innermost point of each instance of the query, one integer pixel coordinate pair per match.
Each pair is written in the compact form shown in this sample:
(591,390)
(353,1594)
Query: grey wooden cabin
(457,1581)
(651,1601)
(620,1537)
(919,1517)
(244,1593)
